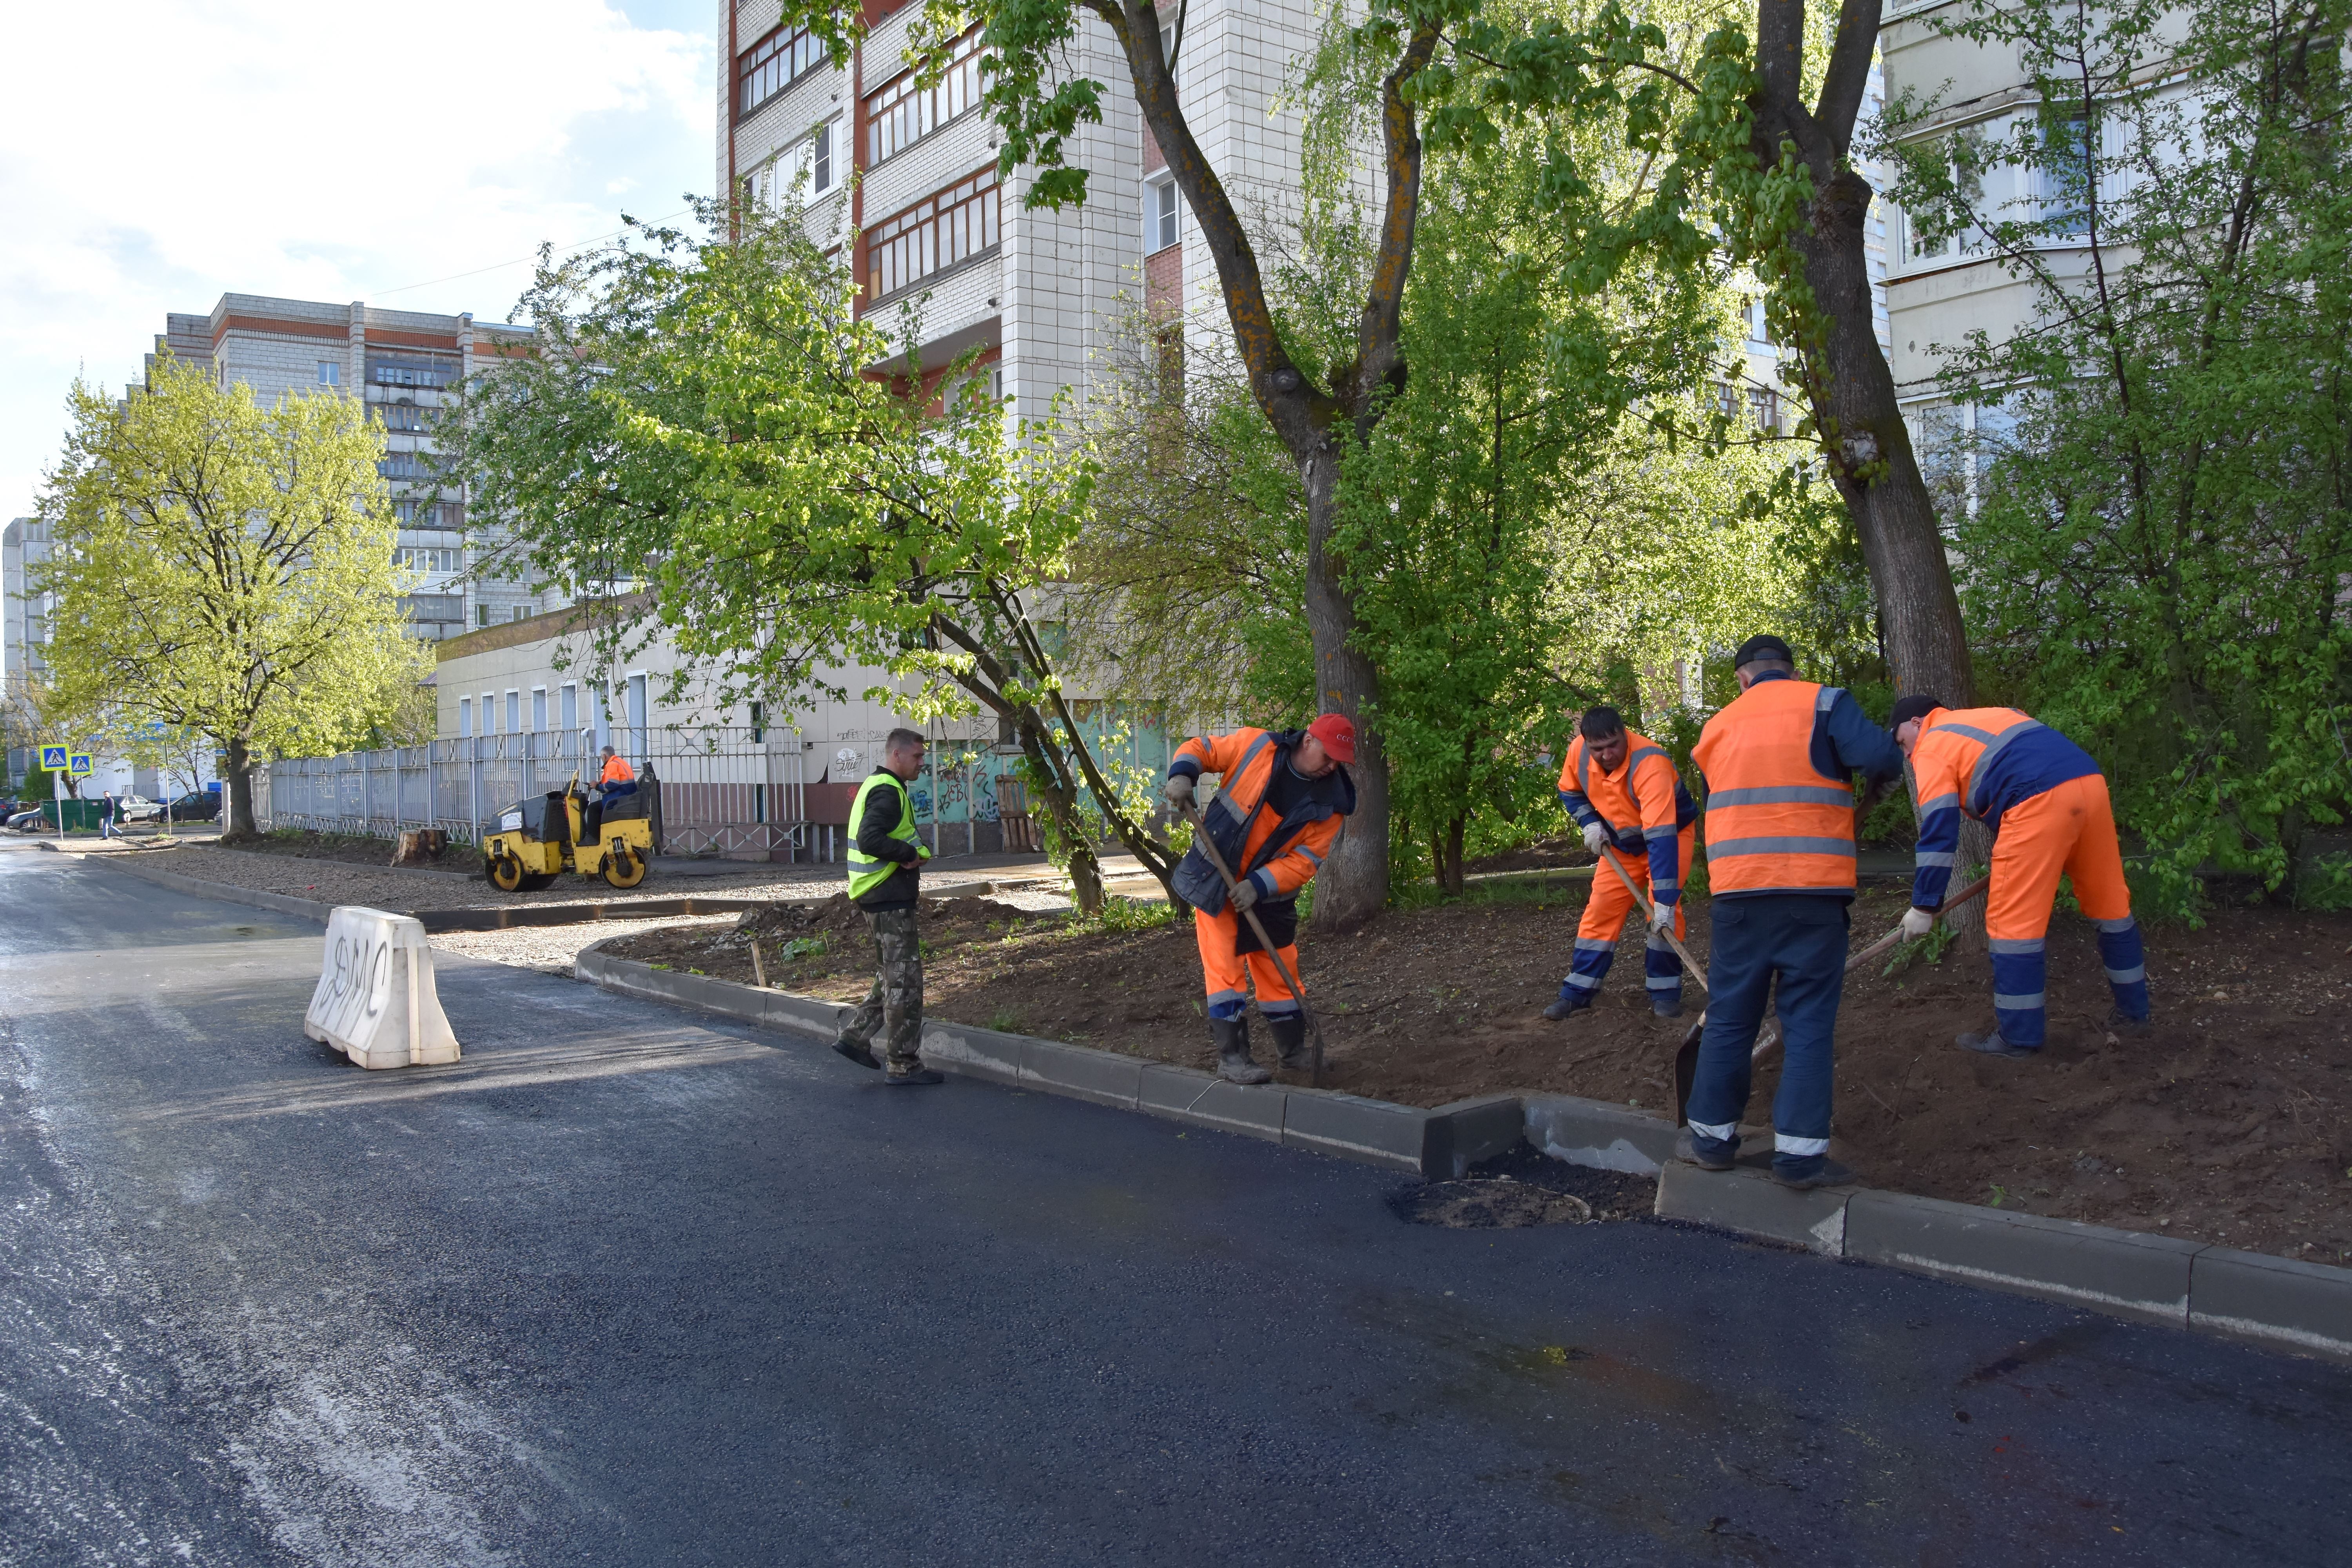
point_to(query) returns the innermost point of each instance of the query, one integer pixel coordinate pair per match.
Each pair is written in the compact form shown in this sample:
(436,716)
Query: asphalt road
(623,1288)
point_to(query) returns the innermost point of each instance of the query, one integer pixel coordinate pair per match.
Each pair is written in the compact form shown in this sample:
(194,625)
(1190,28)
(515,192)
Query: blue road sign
(53,758)
(78,765)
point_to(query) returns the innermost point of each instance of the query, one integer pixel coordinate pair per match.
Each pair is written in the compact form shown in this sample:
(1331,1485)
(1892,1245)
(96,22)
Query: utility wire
(520,261)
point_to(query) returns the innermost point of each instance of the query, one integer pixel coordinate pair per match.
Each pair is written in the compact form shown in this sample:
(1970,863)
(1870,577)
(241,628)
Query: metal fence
(727,790)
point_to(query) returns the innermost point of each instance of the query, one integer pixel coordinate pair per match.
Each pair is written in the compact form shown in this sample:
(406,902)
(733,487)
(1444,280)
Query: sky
(154,156)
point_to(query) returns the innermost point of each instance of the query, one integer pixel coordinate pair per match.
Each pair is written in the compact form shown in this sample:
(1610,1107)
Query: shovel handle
(1314,1030)
(1642,901)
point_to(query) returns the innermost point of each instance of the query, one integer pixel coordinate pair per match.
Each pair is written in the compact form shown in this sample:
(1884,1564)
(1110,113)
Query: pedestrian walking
(106,810)
(1777,765)
(1621,788)
(1279,809)
(2046,803)
(885,860)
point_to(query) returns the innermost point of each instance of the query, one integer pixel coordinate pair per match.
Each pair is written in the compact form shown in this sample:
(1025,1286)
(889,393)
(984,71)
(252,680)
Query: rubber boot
(1234,1064)
(1289,1032)
(1991,1044)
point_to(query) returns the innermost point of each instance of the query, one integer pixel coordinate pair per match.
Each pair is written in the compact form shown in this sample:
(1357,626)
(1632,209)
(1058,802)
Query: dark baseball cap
(1917,706)
(1762,645)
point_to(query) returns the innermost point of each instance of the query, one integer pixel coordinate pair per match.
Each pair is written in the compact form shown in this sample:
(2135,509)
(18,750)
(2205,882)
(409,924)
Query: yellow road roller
(563,830)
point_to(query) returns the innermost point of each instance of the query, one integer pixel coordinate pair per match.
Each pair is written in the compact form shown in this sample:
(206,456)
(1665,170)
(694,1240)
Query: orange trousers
(1227,973)
(1605,923)
(2068,830)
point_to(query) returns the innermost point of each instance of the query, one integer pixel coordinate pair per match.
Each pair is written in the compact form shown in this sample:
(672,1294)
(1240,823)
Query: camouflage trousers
(895,1005)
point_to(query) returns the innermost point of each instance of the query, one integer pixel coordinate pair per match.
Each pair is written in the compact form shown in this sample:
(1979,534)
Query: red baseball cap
(1338,733)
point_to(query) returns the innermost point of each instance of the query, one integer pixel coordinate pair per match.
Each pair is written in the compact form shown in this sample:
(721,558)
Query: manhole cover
(1493,1204)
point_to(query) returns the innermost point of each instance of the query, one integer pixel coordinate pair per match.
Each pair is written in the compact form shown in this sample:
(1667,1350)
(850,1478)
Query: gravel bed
(339,882)
(552,950)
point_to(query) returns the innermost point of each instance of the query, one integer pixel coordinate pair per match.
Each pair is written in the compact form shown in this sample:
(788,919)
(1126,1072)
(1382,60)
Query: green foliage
(226,570)
(2157,559)
(707,418)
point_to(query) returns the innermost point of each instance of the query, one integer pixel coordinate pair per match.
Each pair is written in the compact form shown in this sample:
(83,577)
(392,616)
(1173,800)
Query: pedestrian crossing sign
(78,765)
(53,758)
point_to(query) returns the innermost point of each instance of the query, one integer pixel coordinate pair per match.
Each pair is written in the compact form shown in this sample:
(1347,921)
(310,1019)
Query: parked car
(24,821)
(137,808)
(198,806)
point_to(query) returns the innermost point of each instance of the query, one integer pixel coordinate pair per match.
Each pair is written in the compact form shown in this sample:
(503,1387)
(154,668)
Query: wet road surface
(624,1287)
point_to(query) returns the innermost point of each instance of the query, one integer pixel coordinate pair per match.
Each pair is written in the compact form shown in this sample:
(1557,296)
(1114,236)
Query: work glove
(1177,792)
(1245,895)
(1596,837)
(1662,916)
(1917,922)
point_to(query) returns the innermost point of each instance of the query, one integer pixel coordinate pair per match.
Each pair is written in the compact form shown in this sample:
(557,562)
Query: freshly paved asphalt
(626,1288)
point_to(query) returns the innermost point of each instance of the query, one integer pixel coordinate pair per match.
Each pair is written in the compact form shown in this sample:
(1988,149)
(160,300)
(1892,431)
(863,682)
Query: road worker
(885,864)
(1776,765)
(1621,789)
(1278,811)
(616,779)
(2046,804)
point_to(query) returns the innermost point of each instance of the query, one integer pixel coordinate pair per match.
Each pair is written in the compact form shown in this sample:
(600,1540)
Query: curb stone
(2272,1302)
(2127,1273)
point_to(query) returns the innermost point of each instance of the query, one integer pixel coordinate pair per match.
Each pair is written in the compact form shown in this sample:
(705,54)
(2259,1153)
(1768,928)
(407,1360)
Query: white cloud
(156,154)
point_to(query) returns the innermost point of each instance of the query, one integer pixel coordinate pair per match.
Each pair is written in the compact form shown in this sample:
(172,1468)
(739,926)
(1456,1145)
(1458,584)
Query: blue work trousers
(1795,942)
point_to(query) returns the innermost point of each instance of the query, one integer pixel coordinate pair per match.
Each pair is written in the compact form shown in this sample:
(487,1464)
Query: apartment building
(402,364)
(946,251)
(24,631)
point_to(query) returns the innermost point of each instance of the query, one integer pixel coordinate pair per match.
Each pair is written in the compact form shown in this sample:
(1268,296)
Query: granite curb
(1436,1143)
(2277,1303)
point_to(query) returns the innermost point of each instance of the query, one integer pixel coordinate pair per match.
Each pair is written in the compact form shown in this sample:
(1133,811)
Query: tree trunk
(1446,845)
(1062,808)
(1353,884)
(240,791)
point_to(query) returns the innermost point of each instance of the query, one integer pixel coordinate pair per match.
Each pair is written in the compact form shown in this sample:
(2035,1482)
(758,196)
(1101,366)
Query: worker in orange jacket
(1279,808)
(2047,805)
(1621,789)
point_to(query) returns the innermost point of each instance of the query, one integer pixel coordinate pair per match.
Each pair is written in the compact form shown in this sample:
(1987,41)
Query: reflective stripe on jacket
(868,872)
(1775,823)
(1643,804)
(618,770)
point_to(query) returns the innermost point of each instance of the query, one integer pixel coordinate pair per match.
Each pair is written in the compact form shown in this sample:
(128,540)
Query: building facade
(948,257)
(402,365)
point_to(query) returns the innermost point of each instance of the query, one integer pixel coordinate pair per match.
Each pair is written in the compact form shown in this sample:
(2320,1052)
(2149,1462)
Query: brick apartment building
(1036,292)
(401,362)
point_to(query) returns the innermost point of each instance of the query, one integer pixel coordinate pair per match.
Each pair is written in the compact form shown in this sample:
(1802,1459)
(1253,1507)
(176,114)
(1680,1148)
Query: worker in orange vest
(2046,803)
(1279,808)
(1778,764)
(1621,789)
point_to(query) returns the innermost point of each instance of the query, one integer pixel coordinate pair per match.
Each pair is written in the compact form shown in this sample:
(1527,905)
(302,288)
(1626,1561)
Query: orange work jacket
(1775,824)
(1244,759)
(618,770)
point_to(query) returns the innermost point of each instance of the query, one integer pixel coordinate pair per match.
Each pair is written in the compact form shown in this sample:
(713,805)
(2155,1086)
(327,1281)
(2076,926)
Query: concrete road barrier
(375,1001)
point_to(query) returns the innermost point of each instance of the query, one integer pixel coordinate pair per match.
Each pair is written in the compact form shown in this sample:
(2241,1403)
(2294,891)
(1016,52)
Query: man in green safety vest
(886,862)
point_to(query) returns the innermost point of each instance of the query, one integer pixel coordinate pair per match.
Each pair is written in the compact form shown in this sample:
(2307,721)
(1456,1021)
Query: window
(464,717)
(399,415)
(448,514)
(427,558)
(489,712)
(1764,407)
(571,708)
(402,466)
(514,712)
(773,64)
(2061,181)
(804,172)
(539,708)
(519,613)
(482,615)
(902,113)
(329,373)
(1160,210)
(410,372)
(931,236)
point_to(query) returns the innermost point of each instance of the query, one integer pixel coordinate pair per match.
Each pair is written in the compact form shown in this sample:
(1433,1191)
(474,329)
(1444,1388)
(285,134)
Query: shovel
(1314,1031)
(1687,1059)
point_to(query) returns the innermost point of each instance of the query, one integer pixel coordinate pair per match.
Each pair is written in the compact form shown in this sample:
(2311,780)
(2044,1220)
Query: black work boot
(1991,1044)
(1570,1002)
(914,1077)
(1289,1032)
(859,1052)
(2122,1022)
(1234,1064)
